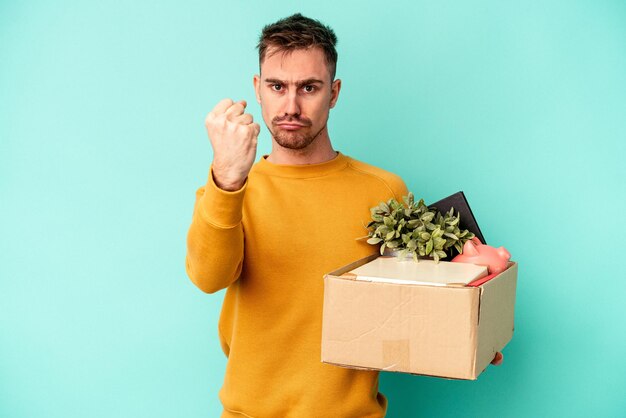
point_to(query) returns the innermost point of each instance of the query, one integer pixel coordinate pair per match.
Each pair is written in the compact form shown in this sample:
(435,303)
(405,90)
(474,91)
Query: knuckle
(231,127)
(220,120)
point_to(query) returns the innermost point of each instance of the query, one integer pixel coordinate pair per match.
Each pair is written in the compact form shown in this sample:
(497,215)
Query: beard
(294,140)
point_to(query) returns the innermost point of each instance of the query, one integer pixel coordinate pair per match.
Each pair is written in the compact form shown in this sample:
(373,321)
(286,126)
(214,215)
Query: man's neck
(318,152)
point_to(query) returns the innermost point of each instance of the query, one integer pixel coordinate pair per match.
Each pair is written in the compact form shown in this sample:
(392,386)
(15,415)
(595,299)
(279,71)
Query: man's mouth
(288,123)
(290,126)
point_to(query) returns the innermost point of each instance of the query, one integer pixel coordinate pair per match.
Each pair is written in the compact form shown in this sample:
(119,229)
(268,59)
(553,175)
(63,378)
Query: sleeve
(215,238)
(397,187)
(400,190)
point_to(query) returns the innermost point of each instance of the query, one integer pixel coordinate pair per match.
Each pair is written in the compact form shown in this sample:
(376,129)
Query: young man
(269,231)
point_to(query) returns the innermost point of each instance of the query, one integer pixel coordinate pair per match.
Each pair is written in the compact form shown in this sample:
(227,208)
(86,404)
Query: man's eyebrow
(309,81)
(298,83)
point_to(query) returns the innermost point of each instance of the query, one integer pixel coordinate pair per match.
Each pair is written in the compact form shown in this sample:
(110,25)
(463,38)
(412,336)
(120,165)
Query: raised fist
(233,135)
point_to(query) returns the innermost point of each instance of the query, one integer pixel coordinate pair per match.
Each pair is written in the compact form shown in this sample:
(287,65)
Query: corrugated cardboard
(445,331)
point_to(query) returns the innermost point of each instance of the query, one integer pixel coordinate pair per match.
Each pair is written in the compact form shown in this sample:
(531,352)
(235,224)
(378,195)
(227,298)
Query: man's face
(296,94)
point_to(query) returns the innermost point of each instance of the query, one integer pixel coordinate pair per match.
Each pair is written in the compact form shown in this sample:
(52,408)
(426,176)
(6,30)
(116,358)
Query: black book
(460,205)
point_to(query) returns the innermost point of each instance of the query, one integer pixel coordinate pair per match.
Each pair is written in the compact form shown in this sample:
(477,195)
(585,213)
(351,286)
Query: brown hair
(299,32)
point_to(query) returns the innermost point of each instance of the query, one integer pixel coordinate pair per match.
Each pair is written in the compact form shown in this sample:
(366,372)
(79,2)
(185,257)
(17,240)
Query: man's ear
(334,92)
(256,80)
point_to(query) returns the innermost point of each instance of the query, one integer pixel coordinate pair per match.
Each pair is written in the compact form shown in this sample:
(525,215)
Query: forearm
(215,238)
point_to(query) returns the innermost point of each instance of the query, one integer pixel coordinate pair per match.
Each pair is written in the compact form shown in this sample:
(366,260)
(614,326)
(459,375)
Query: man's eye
(309,89)
(277,87)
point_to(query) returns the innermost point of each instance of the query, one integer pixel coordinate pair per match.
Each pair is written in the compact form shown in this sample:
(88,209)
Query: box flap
(496,318)
(352,266)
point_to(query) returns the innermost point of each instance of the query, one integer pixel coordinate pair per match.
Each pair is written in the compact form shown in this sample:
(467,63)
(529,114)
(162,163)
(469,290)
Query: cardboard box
(444,331)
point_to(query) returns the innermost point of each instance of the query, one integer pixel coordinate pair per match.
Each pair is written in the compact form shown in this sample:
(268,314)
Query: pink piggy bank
(475,252)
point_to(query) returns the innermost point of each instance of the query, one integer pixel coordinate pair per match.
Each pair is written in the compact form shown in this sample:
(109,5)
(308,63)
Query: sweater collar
(301,171)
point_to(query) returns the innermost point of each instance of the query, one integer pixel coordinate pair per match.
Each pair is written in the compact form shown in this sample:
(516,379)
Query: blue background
(102,145)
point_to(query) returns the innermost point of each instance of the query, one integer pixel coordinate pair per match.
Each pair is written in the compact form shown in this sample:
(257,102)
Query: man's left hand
(498,359)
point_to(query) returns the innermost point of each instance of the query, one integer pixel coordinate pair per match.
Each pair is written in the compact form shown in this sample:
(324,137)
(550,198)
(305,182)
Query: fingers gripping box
(451,331)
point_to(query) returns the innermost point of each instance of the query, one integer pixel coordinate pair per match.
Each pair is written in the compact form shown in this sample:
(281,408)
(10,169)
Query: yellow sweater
(271,243)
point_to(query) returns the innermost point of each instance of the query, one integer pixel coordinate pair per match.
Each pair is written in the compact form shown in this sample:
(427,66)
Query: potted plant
(414,229)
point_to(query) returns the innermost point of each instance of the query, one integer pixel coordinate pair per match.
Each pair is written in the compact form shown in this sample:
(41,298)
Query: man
(269,231)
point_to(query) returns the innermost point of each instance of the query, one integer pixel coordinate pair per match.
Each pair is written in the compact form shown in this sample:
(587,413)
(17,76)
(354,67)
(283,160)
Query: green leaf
(439,243)
(427,217)
(450,235)
(390,235)
(441,254)
(382,248)
(429,246)
(425,236)
(374,240)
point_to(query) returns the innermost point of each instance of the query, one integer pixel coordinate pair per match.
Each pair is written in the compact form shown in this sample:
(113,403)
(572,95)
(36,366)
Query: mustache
(302,121)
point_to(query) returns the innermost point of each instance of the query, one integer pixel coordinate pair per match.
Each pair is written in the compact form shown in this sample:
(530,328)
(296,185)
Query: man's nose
(292,105)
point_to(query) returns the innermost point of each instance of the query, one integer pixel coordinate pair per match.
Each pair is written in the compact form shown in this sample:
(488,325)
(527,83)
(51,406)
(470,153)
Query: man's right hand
(233,135)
